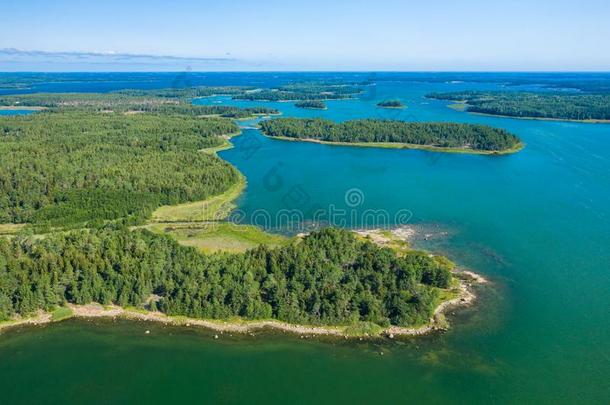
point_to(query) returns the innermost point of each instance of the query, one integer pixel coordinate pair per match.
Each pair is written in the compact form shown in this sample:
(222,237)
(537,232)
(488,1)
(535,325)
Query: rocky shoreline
(397,238)
(94,310)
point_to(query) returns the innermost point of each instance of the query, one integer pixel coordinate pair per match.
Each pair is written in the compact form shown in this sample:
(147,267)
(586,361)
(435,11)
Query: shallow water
(537,223)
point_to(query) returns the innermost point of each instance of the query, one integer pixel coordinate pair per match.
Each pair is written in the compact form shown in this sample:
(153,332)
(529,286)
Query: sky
(204,35)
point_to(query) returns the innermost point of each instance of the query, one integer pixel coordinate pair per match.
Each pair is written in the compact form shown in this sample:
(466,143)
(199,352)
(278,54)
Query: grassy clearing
(7,324)
(399,245)
(219,236)
(212,209)
(363,329)
(61,313)
(226,144)
(458,106)
(386,238)
(448,294)
(10,229)
(131,308)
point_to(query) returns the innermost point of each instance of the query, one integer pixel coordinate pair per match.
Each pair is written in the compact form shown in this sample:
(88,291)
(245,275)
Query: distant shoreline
(464,108)
(588,121)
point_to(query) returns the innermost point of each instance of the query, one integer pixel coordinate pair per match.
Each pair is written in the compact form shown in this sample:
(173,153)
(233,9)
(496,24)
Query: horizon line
(305,71)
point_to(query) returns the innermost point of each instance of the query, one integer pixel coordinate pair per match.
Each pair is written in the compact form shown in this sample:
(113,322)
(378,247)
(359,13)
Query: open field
(212,209)
(10,229)
(219,236)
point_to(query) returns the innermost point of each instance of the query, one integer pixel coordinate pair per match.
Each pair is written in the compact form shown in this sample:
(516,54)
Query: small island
(311,104)
(580,107)
(391,104)
(442,137)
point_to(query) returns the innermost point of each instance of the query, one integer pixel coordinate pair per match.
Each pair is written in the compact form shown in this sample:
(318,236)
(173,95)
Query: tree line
(133,101)
(328,277)
(306,91)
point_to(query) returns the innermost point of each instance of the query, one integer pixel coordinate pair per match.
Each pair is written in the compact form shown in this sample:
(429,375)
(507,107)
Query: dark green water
(537,223)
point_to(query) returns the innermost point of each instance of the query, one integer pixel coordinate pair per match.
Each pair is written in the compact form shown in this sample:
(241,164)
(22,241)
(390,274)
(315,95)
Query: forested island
(87,183)
(370,132)
(391,104)
(311,104)
(561,106)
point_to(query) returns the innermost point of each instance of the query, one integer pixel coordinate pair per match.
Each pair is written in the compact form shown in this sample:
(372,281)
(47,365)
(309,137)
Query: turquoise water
(16,112)
(537,223)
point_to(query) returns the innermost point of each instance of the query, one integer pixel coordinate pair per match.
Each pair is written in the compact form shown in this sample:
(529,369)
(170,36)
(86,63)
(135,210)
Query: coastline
(588,121)
(21,108)
(214,208)
(95,310)
(255,116)
(465,281)
(397,145)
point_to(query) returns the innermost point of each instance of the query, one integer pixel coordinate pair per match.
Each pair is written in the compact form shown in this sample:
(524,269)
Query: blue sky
(305,35)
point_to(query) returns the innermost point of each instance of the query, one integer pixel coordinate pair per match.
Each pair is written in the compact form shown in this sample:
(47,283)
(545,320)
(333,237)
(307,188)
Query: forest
(72,168)
(569,106)
(134,101)
(223,111)
(329,277)
(186,93)
(446,135)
